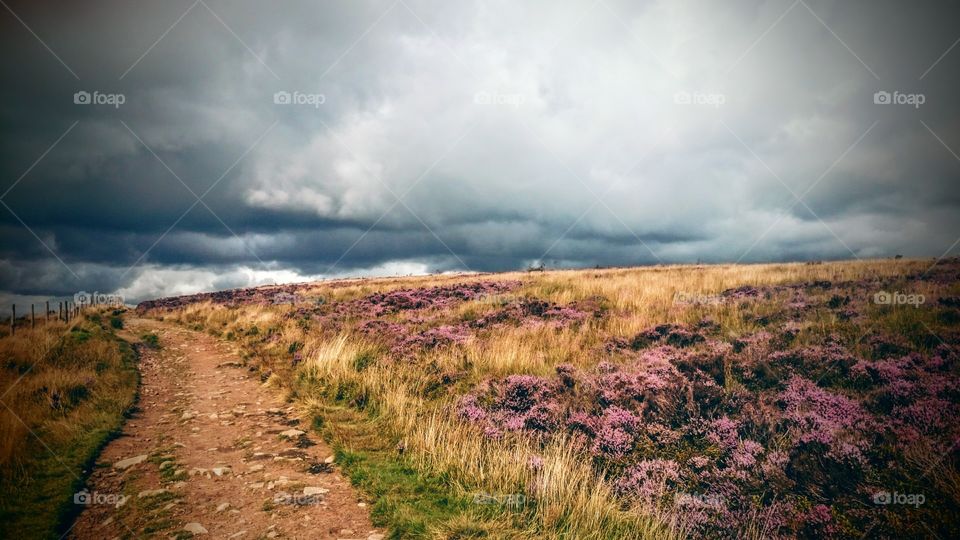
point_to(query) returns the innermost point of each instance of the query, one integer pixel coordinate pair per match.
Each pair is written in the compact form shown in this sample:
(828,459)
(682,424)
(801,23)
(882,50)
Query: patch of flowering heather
(743,419)
(816,361)
(745,292)
(648,479)
(439,297)
(612,443)
(379,328)
(798,303)
(521,392)
(274,294)
(820,416)
(775,463)
(723,433)
(699,462)
(470,409)
(542,417)
(670,334)
(757,341)
(650,379)
(435,337)
(820,519)
(745,455)
(582,422)
(663,435)
(884,346)
(617,386)
(927,419)
(533,313)
(564,315)
(567,374)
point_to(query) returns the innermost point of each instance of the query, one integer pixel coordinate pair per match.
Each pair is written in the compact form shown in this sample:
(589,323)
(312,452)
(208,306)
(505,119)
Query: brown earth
(218,456)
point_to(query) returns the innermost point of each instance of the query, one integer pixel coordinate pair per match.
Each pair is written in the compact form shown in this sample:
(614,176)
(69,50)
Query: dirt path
(210,452)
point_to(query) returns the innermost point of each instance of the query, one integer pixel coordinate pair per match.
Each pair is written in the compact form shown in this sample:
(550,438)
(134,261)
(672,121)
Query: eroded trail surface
(212,453)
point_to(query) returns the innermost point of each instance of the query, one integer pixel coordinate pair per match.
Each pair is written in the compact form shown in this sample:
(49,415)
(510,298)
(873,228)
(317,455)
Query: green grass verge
(405,501)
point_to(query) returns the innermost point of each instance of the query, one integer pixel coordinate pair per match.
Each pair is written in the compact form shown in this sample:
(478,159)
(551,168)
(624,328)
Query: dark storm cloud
(575,134)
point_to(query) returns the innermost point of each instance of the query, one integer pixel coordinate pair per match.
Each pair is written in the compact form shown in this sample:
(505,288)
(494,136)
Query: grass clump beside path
(404,500)
(65,388)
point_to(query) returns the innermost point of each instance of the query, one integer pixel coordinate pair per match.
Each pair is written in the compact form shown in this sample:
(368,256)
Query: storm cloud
(279,142)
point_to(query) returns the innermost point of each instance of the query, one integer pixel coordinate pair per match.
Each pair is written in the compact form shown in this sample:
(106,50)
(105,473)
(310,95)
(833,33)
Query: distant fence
(65,312)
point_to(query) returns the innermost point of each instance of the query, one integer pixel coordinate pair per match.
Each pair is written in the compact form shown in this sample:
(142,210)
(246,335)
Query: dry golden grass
(65,388)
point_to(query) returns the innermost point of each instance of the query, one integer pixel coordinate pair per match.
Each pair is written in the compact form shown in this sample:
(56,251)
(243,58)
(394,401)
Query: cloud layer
(432,136)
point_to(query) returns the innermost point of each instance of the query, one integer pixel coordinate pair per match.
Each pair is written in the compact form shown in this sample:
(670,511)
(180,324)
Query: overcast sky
(441,136)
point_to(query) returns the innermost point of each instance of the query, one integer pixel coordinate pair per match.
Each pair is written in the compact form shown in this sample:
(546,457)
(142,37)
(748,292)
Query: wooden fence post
(33,318)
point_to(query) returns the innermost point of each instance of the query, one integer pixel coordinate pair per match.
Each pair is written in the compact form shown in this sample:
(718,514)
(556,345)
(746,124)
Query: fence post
(13,318)
(33,318)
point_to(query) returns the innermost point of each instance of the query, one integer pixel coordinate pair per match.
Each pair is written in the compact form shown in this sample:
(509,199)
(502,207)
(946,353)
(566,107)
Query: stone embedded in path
(223,506)
(312,490)
(152,493)
(230,364)
(129,462)
(194,528)
(292,433)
